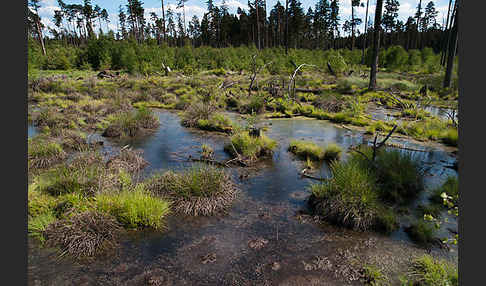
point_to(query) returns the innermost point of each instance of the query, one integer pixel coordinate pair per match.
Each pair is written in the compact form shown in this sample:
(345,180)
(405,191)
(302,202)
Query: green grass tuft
(305,149)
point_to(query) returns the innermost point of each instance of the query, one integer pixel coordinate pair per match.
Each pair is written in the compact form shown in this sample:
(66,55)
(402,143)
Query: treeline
(288,25)
(149,57)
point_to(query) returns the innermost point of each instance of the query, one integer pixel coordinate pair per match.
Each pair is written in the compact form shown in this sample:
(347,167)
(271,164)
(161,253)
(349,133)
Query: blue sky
(198,7)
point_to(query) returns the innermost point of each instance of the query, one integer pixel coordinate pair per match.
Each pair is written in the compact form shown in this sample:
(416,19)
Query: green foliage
(396,57)
(250,146)
(374,276)
(332,152)
(427,271)
(134,208)
(305,150)
(38,224)
(422,232)
(349,198)
(131,123)
(216,122)
(450,188)
(197,181)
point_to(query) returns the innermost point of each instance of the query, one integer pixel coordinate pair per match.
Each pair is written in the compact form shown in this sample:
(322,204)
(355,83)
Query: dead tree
(255,70)
(292,77)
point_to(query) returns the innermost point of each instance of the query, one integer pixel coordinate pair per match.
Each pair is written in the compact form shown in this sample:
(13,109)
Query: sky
(198,7)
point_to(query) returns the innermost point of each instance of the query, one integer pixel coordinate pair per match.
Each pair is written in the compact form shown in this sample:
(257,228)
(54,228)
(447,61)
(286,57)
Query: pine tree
(376,44)
(390,16)
(334,21)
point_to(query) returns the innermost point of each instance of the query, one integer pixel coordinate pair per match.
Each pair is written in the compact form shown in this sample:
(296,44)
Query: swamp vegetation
(312,172)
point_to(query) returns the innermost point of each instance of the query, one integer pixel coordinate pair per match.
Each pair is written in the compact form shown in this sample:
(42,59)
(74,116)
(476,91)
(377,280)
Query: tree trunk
(41,39)
(257,24)
(452,51)
(163,22)
(286,27)
(445,37)
(352,26)
(418,24)
(365,33)
(376,44)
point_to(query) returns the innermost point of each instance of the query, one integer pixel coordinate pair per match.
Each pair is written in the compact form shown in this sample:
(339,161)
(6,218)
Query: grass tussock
(304,149)
(199,190)
(128,160)
(250,147)
(349,198)
(398,176)
(195,112)
(130,124)
(83,235)
(43,153)
(428,271)
(37,225)
(332,152)
(216,122)
(134,208)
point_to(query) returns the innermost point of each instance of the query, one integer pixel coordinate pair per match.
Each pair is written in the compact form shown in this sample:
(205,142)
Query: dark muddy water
(292,248)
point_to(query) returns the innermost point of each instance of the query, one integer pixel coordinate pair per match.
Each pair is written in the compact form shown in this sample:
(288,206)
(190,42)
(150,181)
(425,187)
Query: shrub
(428,271)
(396,57)
(134,208)
(250,147)
(200,190)
(422,232)
(305,150)
(83,235)
(349,198)
(450,187)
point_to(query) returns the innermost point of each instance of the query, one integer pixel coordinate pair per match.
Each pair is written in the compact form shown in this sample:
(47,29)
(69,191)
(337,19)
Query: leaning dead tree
(255,71)
(375,146)
(291,87)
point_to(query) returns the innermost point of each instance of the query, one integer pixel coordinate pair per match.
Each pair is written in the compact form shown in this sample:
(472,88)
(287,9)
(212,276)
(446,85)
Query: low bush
(422,232)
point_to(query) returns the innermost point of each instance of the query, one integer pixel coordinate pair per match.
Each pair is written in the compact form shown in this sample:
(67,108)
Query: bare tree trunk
(445,38)
(258,24)
(376,44)
(365,33)
(41,39)
(163,21)
(286,27)
(352,25)
(418,24)
(452,51)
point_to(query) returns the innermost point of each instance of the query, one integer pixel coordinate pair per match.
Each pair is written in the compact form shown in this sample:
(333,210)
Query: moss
(305,149)
(450,137)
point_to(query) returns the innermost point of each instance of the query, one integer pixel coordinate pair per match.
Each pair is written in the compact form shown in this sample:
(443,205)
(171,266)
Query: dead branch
(303,174)
(292,84)
(255,72)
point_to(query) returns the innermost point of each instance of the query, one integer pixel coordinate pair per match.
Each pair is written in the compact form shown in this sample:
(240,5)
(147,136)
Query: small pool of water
(272,194)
